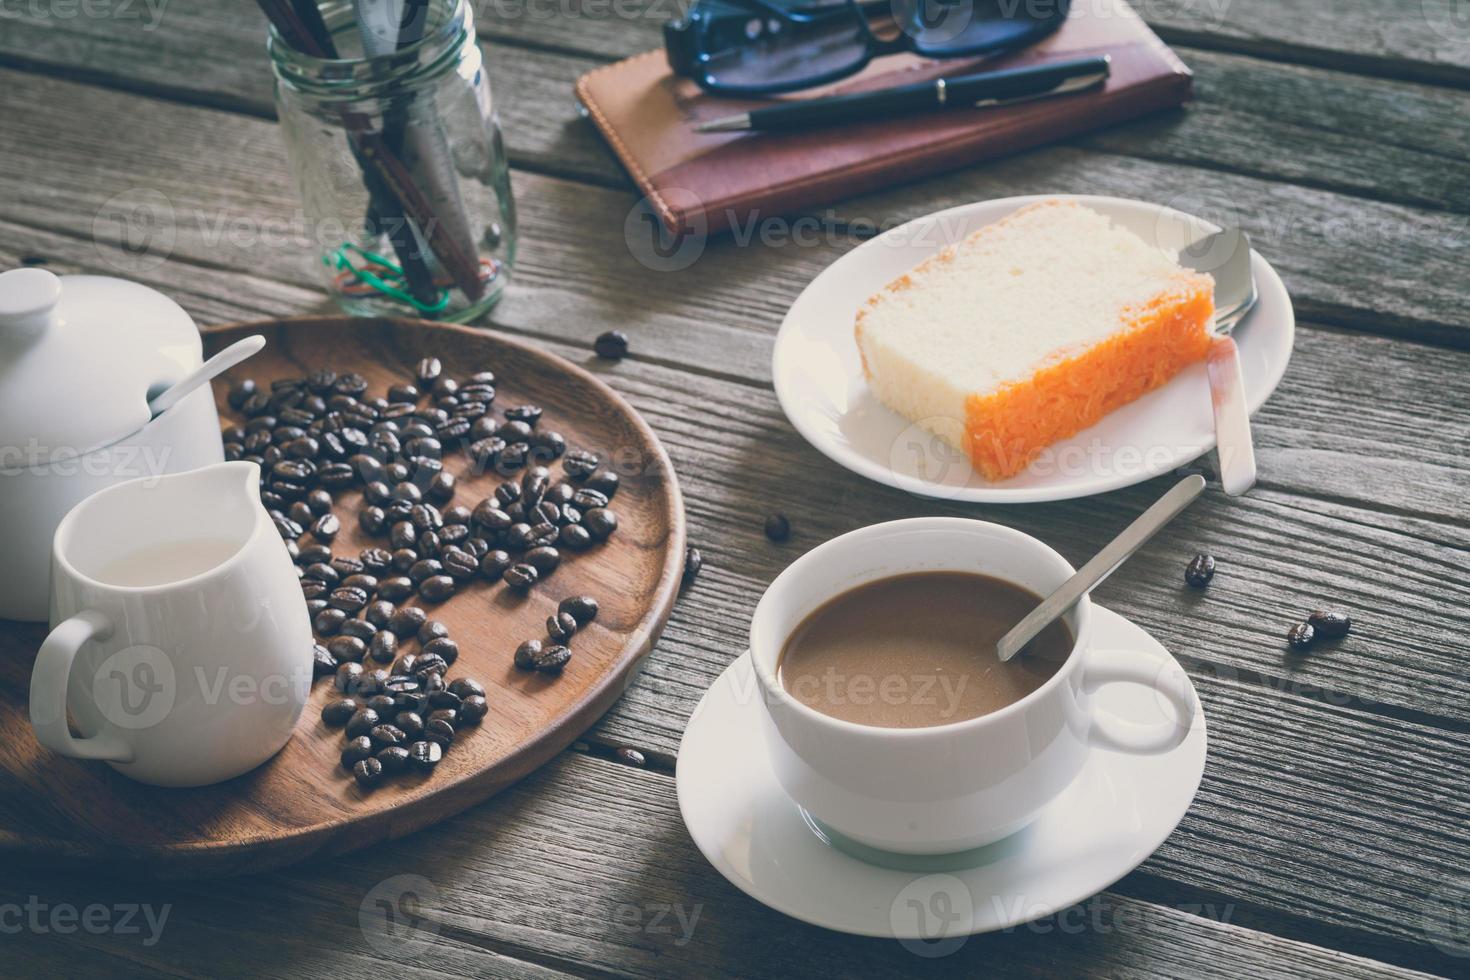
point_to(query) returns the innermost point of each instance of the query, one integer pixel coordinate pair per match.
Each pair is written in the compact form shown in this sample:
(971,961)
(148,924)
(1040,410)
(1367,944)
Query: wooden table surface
(1329,837)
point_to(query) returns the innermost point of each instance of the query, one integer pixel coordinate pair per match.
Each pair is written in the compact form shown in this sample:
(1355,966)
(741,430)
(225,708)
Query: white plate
(819,380)
(1113,816)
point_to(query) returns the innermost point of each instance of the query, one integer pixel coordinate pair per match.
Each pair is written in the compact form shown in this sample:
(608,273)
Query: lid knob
(27,297)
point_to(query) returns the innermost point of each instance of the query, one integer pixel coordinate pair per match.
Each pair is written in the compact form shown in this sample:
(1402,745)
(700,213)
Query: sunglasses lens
(747,48)
(947,28)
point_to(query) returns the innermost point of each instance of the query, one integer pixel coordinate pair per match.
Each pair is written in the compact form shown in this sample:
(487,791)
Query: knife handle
(1232,419)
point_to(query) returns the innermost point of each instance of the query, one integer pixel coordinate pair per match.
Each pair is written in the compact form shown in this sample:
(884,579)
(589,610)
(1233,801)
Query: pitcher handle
(1168,681)
(48,691)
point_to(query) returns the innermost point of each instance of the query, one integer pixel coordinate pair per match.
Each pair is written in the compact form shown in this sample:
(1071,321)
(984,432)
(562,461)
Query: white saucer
(819,381)
(1116,813)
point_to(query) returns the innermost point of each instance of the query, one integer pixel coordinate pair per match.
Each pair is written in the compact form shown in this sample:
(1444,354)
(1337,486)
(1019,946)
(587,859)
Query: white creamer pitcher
(179,639)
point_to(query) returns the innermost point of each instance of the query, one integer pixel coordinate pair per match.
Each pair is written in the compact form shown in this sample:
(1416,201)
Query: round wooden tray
(301,802)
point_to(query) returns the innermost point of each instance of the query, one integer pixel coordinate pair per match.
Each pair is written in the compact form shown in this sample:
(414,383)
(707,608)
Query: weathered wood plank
(1384,140)
(586,867)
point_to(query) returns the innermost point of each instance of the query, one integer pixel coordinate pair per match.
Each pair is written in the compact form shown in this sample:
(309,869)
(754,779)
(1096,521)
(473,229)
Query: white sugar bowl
(79,358)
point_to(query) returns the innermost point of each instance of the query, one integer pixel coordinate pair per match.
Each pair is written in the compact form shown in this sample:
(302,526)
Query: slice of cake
(1030,330)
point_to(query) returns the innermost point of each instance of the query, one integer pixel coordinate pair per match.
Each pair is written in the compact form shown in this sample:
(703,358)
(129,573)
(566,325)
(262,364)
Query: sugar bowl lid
(81,355)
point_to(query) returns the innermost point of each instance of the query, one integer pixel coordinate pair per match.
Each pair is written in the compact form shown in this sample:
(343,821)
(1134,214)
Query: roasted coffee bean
(426,664)
(350,384)
(287,528)
(580,463)
(356,750)
(411,723)
(362,722)
(1200,570)
(234,450)
(527,654)
(1330,624)
(444,647)
(257,442)
(403,560)
(612,345)
(778,527)
(453,430)
(372,520)
(553,659)
(322,661)
(428,371)
(240,391)
(544,559)
(630,756)
(360,628)
(464,687)
(386,735)
(346,565)
(582,608)
(301,514)
(490,517)
(381,703)
(424,755)
(334,447)
(336,476)
(393,759)
(315,606)
(560,627)
(551,513)
(272,501)
(484,452)
(378,613)
(575,537)
(439,732)
(450,716)
(477,546)
(513,457)
(371,470)
(521,576)
(377,493)
(376,561)
(320,381)
(604,481)
(316,554)
(404,490)
(407,621)
(424,569)
(444,699)
(507,493)
(397,473)
(442,487)
(586,499)
(460,565)
(395,589)
(402,681)
(600,523)
(494,564)
(319,501)
(425,517)
(515,430)
(544,534)
(304,448)
(368,773)
(255,404)
(529,414)
(547,445)
(423,447)
(323,573)
(294,550)
(534,485)
(518,537)
(1301,636)
(458,514)
(403,393)
(346,649)
(348,598)
(372,682)
(383,647)
(361,580)
(328,621)
(437,589)
(693,562)
(403,535)
(473,709)
(338,713)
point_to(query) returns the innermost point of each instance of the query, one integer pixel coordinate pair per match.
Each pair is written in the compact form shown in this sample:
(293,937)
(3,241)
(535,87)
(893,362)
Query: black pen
(989,88)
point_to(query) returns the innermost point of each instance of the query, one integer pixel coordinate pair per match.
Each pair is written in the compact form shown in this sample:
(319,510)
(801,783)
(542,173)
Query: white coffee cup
(961,785)
(180,643)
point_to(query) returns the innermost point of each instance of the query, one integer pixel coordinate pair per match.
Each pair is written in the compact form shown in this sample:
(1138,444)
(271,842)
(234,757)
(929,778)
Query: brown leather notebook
(709,182)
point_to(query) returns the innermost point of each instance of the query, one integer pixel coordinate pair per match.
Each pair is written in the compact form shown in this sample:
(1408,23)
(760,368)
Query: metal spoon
(218,364)
(1103,564)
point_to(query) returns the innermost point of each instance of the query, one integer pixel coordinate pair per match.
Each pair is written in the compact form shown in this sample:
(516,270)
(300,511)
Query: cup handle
(1167,680)
(48,691)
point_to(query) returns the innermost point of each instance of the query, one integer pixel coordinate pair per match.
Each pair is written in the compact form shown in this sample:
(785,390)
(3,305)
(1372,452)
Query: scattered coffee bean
(357,749)
(393,759)
(553,659)
(1301,636)
(362,723)
(439,731)
(384,736)
(442,647)
(693,562)
(527,654)
(368,773)
(630,756)
(346,649)
(436,589)
(582,608)
(1200,570)
(423,756)
(349,599)
(1330,624)
(560,627)
(778,527)
(340,712)
(604,481)
(359,628)
(383,704)
(347,677)
(612,345)
(473,709)
(395,589)
(407,621)
(521,576)
(600,523)
(322,662)
(575,537)
(544,559)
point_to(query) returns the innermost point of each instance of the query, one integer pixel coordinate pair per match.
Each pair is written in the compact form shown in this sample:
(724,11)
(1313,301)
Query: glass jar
(396,151)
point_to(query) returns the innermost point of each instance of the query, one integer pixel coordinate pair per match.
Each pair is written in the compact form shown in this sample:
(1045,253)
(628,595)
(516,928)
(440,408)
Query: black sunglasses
(759,47)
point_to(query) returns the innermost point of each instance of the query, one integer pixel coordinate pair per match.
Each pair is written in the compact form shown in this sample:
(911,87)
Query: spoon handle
(218,364)
(1103,564)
